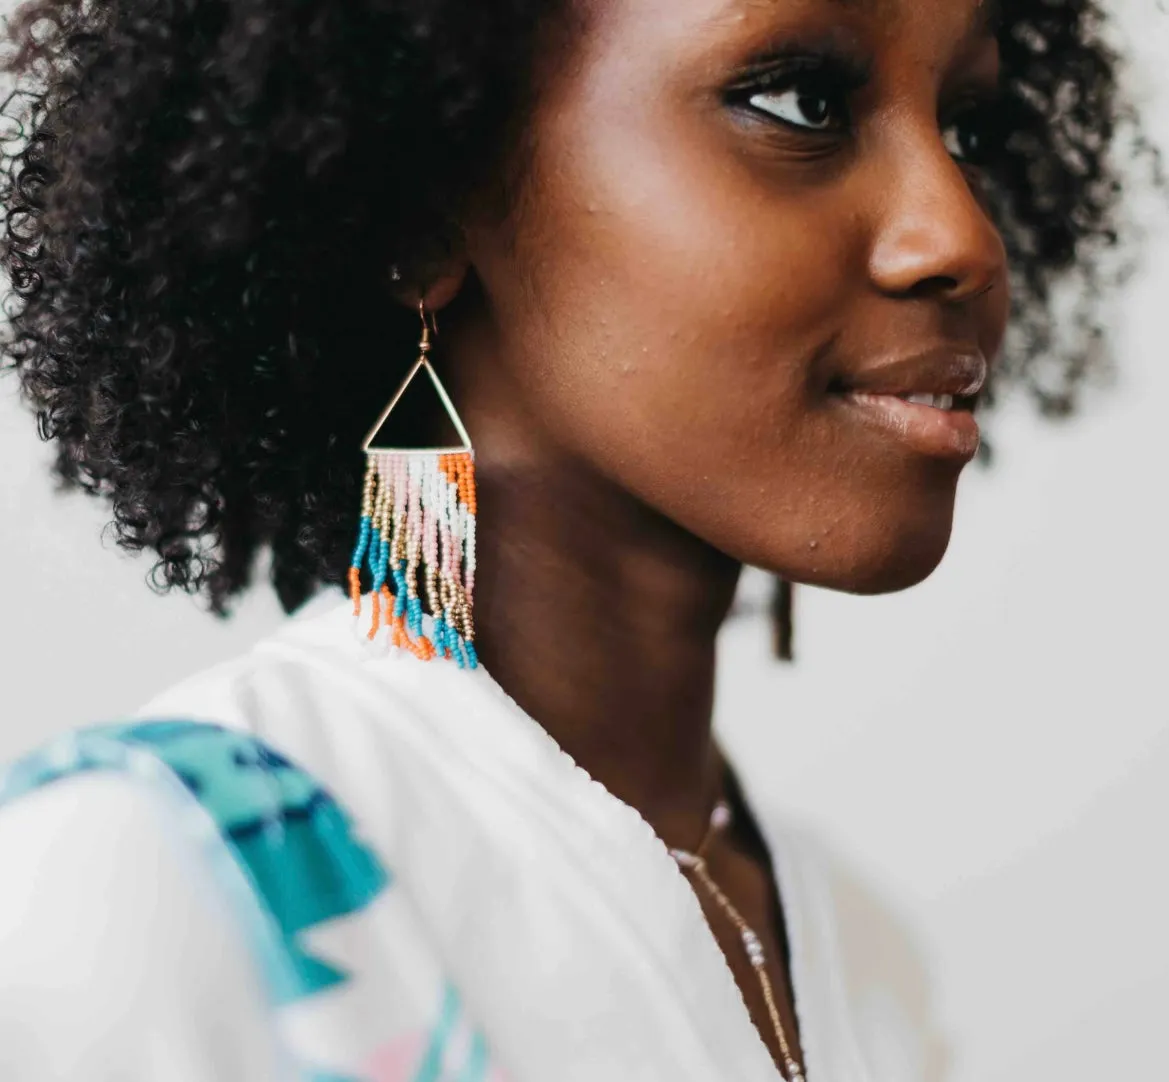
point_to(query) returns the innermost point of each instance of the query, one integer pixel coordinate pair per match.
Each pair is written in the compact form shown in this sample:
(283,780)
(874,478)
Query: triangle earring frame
(422,362)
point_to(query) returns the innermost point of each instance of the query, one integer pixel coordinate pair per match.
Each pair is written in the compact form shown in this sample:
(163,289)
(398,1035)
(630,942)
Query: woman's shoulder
(291,771)
(217,772)
(318,687)
(160,861)
(290,670)
(270,837)
(308,739)
(169,887)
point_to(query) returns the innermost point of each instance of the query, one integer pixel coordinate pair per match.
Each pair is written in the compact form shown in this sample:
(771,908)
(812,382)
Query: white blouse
(512,919)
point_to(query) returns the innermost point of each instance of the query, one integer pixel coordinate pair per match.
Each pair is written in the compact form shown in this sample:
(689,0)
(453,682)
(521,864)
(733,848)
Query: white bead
(687,860)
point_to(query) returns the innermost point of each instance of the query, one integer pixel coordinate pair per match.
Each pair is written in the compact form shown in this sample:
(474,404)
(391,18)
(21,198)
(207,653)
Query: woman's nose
(933,235)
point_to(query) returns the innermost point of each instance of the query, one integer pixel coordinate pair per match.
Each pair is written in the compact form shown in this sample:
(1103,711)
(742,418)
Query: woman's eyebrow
(874,6)
(984,18)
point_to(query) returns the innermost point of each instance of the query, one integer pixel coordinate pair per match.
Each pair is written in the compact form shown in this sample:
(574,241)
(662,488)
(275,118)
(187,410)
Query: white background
(989,752)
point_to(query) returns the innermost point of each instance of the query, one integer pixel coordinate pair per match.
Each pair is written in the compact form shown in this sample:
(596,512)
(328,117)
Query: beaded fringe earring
(417,527)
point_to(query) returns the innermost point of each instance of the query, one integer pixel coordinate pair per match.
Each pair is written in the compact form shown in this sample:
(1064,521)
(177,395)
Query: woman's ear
(442,290)
(434,277)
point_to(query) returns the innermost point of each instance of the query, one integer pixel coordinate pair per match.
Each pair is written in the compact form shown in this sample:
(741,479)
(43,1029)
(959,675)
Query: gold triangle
(448,405)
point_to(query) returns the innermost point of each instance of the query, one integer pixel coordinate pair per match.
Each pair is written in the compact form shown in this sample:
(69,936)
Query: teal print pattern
(294,845)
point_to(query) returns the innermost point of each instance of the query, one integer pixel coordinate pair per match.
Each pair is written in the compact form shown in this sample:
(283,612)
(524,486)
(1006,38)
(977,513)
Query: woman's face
(747,230)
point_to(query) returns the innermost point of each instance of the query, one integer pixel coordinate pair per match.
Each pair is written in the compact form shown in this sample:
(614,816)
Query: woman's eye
(970,138)
(958,139)
(799,107)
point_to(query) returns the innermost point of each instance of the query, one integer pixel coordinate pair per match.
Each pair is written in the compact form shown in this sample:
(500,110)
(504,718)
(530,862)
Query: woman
(715,282)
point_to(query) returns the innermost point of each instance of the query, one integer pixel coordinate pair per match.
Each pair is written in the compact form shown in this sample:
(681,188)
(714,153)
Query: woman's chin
(893,558)
(892,576)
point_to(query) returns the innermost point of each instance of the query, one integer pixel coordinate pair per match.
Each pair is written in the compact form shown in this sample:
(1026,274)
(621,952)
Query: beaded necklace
(720,819)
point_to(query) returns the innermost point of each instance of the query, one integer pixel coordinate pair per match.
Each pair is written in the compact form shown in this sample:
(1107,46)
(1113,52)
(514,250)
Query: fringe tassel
(416,543)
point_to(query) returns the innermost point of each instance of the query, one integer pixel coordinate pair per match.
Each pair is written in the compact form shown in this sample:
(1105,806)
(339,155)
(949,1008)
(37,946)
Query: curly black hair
(201,199)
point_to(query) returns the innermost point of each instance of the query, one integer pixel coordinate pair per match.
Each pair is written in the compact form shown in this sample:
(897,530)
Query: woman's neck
(597,615)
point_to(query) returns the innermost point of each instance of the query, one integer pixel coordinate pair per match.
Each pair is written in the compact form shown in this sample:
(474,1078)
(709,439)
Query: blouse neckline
(613,851)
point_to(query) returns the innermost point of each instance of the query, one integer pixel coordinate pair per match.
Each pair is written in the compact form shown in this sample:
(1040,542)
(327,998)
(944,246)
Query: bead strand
(448,543)
(363,538)
(430,505)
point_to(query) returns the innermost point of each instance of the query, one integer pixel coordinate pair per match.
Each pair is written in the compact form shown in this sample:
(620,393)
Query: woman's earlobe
(440,291)
(435,289)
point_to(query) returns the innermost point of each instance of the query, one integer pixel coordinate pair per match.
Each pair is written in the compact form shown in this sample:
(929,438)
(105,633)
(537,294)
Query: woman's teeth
(938,401)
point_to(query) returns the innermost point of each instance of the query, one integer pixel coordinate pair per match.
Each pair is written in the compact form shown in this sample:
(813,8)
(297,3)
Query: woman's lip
(931,431)
(946,370)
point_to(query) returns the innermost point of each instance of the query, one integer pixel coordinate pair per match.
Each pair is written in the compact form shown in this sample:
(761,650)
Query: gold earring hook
(428,326)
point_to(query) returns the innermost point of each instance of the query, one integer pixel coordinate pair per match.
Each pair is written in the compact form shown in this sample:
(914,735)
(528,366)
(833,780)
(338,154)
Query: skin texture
(648,351)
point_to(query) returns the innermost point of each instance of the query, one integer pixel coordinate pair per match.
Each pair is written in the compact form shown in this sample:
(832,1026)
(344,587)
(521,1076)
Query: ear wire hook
(429,326)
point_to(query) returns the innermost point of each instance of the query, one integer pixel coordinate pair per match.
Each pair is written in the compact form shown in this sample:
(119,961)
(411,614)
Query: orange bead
(377,617)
